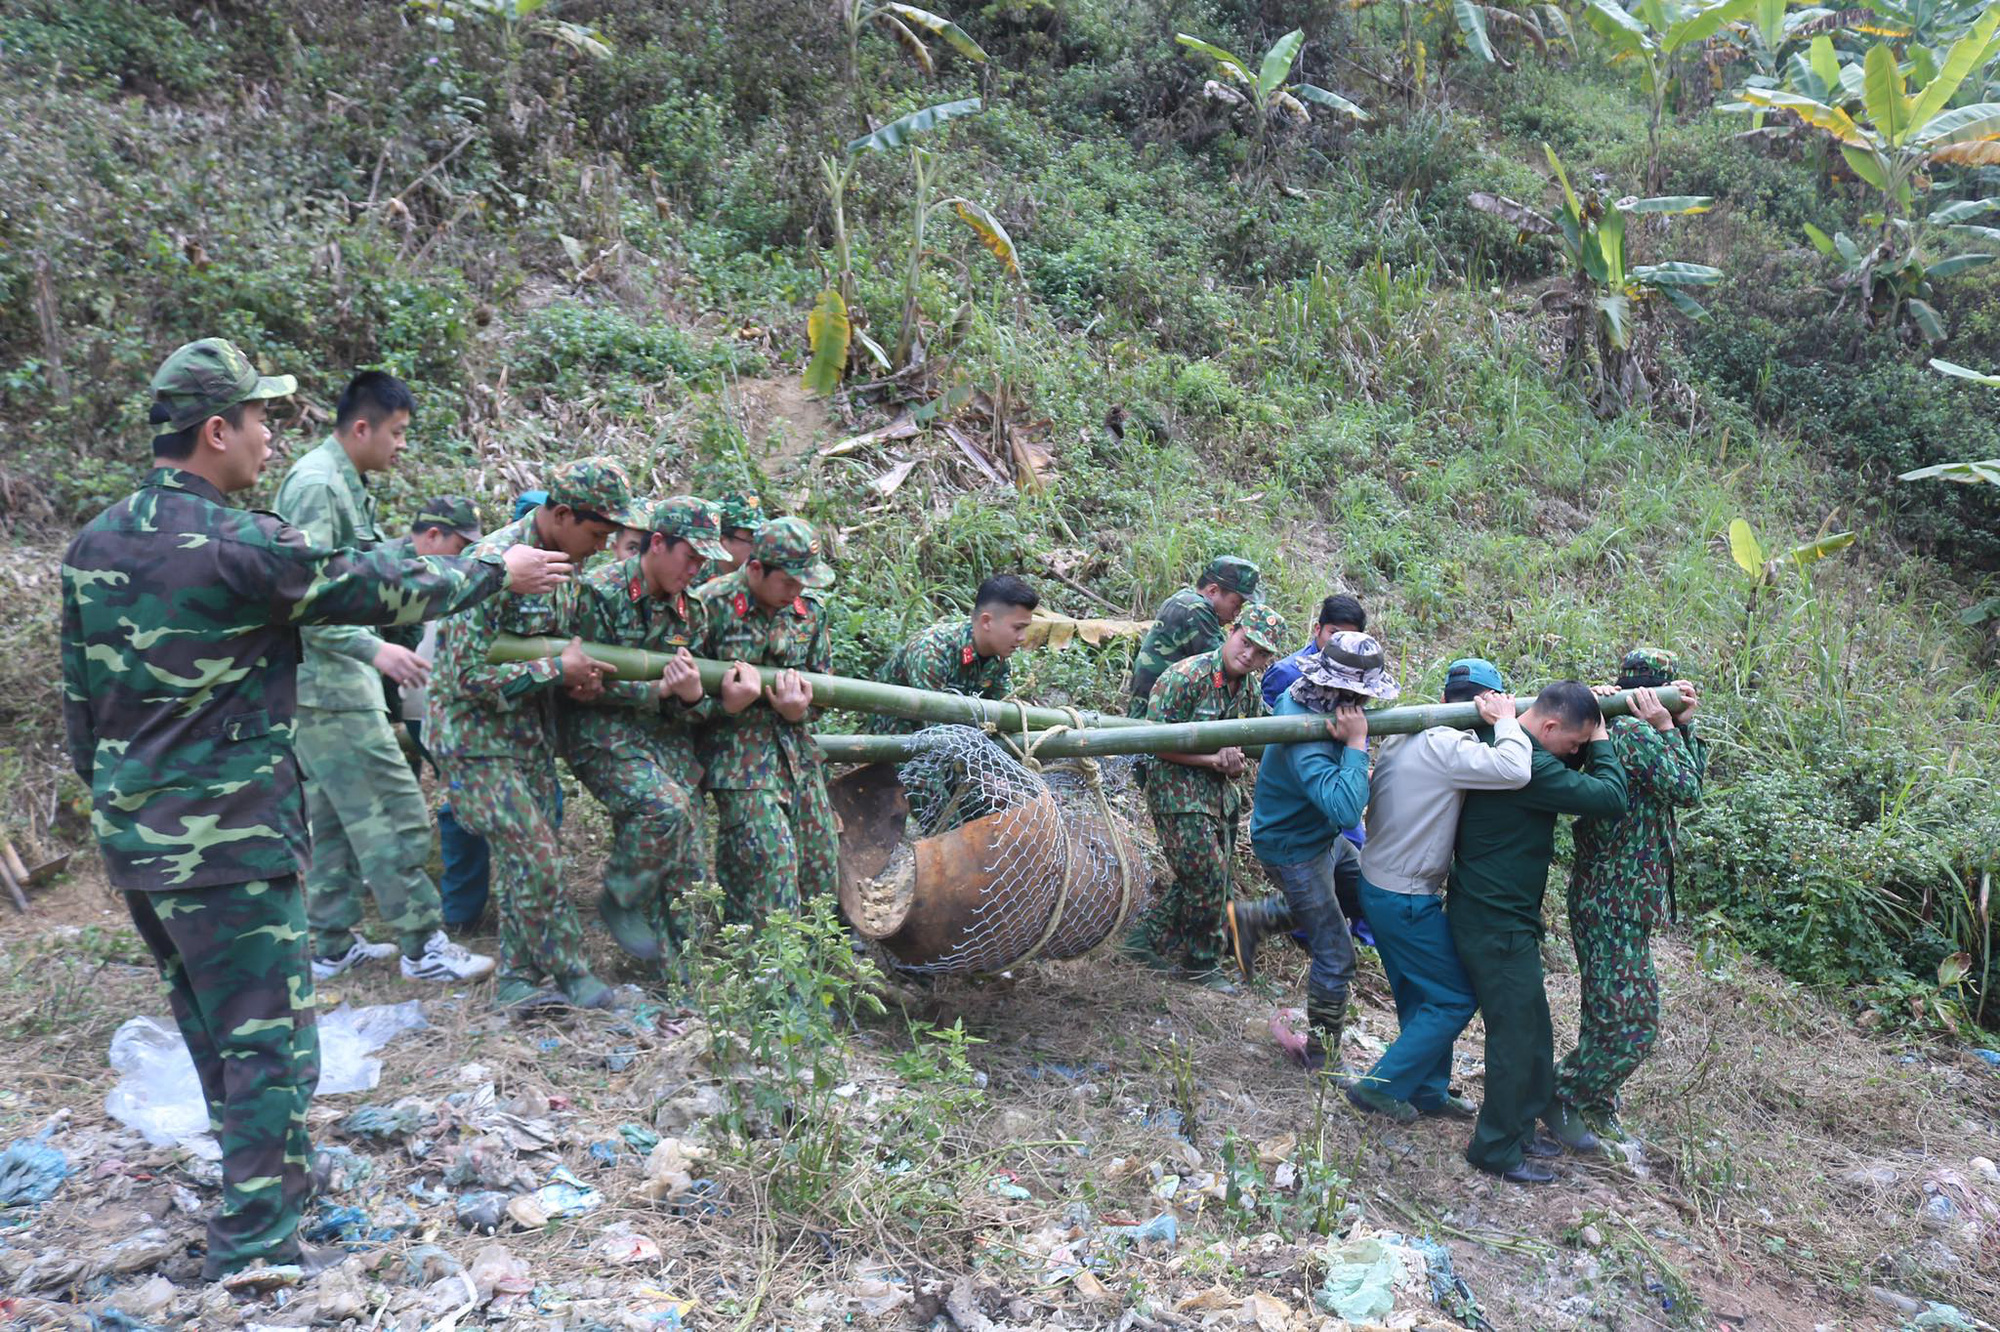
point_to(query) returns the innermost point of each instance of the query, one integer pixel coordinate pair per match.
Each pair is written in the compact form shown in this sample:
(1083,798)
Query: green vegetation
(1355,376)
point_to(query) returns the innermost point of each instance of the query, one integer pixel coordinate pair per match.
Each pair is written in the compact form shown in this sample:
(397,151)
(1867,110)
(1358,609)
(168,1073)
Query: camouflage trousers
(239,979)
(776,847)
(513,803)
(1620,1012)
(370,829)
(657,850)
(1201,851)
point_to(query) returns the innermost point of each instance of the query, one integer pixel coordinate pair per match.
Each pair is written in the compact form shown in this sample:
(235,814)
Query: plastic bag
(1360,1281)
(159,1095)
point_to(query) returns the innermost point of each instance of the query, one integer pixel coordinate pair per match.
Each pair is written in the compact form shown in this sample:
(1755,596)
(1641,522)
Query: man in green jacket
(1493,899)
(1189,622)
(371,829)
(180,623)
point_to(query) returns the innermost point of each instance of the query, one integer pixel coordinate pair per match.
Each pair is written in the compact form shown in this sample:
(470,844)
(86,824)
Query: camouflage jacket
(324,497)
(941,658)
(1624,868)
(1185,625)
(180,653)
(480,709)
(1197,689)
(613,607)
(754,749)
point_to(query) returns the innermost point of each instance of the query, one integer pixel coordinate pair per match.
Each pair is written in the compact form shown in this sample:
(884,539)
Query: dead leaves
(1059,631)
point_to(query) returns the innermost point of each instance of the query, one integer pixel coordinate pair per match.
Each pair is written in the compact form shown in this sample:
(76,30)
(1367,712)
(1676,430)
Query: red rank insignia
(1218,679)
(740,604)
(799,606)
(965,655)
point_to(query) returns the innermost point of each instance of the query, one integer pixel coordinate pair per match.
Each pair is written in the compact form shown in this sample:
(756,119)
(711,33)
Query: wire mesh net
(1000,862)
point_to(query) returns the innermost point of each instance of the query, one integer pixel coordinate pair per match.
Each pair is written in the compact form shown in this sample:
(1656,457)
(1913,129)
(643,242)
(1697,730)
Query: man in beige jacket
(1415,792)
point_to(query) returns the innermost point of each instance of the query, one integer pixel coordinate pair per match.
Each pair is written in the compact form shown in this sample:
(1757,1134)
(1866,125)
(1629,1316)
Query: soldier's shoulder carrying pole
(829,691)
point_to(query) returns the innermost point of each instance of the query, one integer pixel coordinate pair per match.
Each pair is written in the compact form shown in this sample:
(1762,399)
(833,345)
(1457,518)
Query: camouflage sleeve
(325,518)
(462,671)
(927,668)
(1659,762)
(1168,702)
(79,731)
(302,585)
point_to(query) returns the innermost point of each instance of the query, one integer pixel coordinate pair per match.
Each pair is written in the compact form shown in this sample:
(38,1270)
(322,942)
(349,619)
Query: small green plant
(1653,35)
(901,22)
(1304,1193)
(517,19)
(1606,289)
(1272,99)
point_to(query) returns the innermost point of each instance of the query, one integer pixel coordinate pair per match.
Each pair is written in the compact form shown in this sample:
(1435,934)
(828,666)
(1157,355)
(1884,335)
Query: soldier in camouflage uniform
(742,516)
(1621,890)
(967,656)
(777,842)
(1189,622)
(1196,800)
(180,642)
(371,829)
(493,733)
(634,747)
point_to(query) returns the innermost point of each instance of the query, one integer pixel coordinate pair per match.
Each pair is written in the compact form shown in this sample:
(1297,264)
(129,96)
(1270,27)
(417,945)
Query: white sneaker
(444,960)
(326,968)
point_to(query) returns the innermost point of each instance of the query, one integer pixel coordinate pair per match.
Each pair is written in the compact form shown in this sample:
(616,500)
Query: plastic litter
(622,1248)
(346,1224)
(386,1121)
(159,1095)
(1990,1056)
(117,1320)
(638,1137)
(566,1195)
(31,1171)
(428,1263)
(481,1210)
(1162,1229)
(1941,1318)
(1002,1187)
(1360,1281)
(605,1152)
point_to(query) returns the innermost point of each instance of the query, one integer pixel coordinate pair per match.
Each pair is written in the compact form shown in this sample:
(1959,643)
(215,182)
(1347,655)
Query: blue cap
(529,499)
(1475,670)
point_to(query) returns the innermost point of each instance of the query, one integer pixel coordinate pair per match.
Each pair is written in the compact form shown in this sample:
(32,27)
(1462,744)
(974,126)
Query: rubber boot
(1566,1126)
(1326,1015)
(630,929)
(1248,923)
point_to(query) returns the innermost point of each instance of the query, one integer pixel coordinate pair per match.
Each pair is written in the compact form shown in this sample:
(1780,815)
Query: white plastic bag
(159,1095)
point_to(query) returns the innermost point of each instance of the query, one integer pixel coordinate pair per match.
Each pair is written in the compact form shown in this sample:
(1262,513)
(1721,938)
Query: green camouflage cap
(1647,668)
(203,379)
(454,513)
(741,511)
(1261,623)
(789,545)
(696,521)
(1232,573)
(596,486)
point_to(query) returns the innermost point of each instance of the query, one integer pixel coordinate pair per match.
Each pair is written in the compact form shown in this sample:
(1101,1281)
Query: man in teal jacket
(1306,794)
(1493,899)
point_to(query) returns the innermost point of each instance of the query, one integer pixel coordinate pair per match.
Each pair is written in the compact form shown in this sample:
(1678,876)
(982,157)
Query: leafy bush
(569,347)
(134,43)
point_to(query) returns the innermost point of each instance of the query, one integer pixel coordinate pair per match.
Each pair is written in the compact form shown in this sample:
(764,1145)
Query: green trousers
(1620,1018)
(776,847)
(1201,851)
(239,980)
(371,831)
(657,850)
(513,804)
(1505,968)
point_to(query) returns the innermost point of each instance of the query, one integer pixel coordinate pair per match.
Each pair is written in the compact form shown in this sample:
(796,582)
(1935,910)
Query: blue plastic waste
(1162,1229)
(31,1171)
(1990,1056)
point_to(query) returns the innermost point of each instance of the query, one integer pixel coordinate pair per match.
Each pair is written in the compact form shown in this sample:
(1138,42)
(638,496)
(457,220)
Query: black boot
(1326,1015)
(1248,923)
(629,928)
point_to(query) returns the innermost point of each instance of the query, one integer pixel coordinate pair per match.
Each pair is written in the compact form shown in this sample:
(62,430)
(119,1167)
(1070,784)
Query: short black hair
(1342,609)
(375,394)
(1464,691)
(1570,702)
(1005,590)
(178,445)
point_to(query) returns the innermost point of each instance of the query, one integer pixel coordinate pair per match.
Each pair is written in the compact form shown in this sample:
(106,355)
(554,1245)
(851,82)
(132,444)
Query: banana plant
(1606,291)
(1982,472)
(1269,93)
(515,17)
(833,331)
(1653,35)
(1890,146)
(1764,565)
(903,22)
(1928,22)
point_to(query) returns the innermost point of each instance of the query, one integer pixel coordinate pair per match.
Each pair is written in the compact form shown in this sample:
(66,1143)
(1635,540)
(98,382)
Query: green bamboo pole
(829,691)
(1207,737)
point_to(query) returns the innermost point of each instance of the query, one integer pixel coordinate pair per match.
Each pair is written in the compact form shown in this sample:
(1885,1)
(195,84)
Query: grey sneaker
(358,952)
(443,960)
